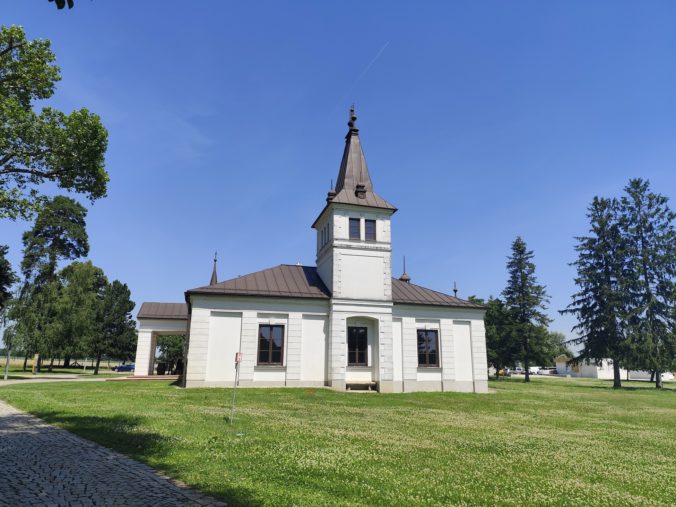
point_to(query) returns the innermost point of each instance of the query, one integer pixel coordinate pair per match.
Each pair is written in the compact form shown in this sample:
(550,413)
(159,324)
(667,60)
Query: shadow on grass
(126,435)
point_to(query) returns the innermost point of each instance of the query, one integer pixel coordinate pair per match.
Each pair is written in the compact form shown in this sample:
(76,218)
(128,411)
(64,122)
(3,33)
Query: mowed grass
(550,442)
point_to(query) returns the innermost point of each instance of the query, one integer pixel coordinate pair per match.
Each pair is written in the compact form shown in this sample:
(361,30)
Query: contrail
(368,67)
(364,72)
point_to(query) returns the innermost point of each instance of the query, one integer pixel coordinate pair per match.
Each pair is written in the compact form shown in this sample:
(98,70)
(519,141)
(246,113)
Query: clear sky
(480,121)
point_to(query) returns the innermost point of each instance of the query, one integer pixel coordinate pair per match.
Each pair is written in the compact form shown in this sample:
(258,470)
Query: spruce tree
(650,239)
(599,304)
(524,298)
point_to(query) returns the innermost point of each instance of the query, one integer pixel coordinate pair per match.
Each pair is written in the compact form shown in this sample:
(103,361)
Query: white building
(344,323)
(602,370)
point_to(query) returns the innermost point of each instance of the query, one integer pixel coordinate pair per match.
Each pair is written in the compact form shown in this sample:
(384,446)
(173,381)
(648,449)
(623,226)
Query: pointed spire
(214,276)
(404,277)
(455,289)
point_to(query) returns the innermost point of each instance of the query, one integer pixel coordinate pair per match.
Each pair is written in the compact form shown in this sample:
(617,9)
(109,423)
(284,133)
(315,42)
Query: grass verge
(550,442)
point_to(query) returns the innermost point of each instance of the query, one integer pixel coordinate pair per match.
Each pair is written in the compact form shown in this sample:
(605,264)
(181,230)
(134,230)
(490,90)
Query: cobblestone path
(44,465)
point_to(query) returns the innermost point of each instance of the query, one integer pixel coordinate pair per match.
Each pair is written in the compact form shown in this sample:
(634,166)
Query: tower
(354,260)
(354,242)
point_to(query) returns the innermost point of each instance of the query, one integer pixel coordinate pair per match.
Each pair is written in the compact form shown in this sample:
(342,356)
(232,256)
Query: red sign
(238,357)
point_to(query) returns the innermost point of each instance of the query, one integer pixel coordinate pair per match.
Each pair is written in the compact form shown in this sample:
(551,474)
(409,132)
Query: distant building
(603,370)
(345,323)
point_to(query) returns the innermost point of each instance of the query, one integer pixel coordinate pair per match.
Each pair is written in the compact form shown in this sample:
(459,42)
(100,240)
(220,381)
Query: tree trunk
(526,358)
(39,365)
(25,362)
(66,362)
(652,376)
(98,363)
(51,365)
(617,381)
(658,380)
(7,364)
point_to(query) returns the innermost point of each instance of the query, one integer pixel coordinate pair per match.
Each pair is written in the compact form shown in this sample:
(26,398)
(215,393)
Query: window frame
(426,353)
(356,363)
(270,362)
(356,221)
(366,229)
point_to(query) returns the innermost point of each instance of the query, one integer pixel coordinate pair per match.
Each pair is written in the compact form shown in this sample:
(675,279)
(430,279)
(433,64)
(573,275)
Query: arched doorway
(362,353)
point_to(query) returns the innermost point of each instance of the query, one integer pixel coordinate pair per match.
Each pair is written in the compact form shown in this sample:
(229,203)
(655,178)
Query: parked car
(533,370)
(547,371)
(519,371)
(124,367)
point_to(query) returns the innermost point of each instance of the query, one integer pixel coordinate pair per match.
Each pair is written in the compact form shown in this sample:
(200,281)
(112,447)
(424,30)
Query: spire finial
(353,120)
(455,289)
(404,277)
(214,276)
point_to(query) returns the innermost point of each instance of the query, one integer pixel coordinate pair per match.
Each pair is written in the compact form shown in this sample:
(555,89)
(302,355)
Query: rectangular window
(370,230)
(270,344)
(428,347)
(356,346)
(355,228)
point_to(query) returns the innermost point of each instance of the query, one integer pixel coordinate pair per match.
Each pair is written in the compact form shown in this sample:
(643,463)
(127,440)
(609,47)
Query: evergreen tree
(524,298)
(59,233)
(117,333)
(650,239)
(7,279)
(599,304)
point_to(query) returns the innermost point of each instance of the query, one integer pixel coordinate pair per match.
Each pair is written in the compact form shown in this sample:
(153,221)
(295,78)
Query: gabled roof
(304,282)
(354,185)
(163,311)
(284,280)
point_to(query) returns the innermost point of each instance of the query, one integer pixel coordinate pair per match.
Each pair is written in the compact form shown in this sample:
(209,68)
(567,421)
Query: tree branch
(10,47)
(33,172)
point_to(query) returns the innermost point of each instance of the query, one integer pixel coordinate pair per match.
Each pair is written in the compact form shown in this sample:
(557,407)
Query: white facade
(351,332)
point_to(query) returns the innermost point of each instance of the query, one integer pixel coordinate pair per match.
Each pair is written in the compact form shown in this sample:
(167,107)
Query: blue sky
(481,121)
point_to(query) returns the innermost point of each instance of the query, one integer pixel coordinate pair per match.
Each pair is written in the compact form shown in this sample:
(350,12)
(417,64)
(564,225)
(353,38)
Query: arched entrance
(362,353)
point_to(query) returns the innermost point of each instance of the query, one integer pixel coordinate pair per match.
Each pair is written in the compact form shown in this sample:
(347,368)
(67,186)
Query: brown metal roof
(304,282)
(167,311)
(410,293)
(284,281)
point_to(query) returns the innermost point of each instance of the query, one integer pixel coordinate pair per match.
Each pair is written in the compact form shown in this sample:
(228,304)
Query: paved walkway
(44,465)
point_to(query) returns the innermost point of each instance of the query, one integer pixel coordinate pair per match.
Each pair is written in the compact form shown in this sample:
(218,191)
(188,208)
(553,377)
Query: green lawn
(556,442)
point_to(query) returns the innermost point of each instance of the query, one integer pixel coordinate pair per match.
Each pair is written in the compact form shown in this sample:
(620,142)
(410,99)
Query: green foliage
(502,345)
(171,350)
(650,292)
(525,300)
(626,269)
(551,442)
(599,304)
(59,233)
(7,278)
(117,334)
(50,146)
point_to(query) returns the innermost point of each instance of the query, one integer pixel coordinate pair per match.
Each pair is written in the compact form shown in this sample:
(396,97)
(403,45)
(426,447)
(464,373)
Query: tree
(60,4)
(47,146)
(7,279)
(59,233)
(81,308)
(117,333)
(502,345)
(524,298)
(599,304)
(650,239)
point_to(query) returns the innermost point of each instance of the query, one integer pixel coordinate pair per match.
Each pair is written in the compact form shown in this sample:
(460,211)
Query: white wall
(214,339)
(313,356)
(225,330)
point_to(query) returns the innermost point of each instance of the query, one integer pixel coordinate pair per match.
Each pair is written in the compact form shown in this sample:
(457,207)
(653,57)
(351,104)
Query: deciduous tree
(46,146)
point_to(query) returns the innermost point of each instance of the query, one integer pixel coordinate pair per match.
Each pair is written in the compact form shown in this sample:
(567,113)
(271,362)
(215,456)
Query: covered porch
(157,319)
